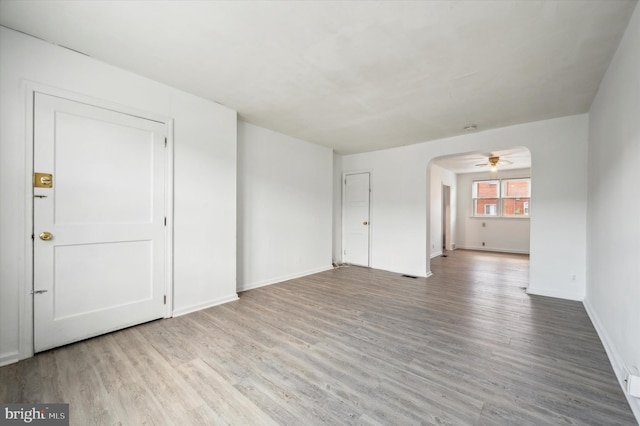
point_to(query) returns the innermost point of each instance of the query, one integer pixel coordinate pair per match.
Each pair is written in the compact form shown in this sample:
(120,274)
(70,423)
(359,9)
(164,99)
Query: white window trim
(498,205)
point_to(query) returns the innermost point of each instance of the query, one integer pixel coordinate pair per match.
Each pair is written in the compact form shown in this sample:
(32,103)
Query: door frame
(370,227)
(446,218)
(30,88)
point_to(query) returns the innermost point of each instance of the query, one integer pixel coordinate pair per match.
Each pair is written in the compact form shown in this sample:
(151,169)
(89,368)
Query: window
(502,197)
(486,195)
(516,195)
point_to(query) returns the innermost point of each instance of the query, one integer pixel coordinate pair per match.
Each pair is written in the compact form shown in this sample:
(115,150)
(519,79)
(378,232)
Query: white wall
(204,203)
(204,177)
(613,223)
(439,177)
(285,196)
(558,242)
(509,235)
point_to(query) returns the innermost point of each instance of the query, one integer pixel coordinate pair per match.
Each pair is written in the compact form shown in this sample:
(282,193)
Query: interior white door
(104,267)
(356,219)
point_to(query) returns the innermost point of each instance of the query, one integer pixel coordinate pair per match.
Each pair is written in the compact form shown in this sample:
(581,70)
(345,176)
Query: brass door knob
(46,236)
(365,223)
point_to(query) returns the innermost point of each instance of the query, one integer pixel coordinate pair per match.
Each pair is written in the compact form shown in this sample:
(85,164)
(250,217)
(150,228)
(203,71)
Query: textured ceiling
(353,75)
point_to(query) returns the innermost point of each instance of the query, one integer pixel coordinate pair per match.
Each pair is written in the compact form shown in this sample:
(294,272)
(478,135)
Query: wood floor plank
(352,345)
(224,399)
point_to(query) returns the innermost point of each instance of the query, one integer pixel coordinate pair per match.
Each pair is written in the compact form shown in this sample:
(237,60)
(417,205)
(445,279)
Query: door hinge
(165,141)
(165,299)
(165,221)
(32,236)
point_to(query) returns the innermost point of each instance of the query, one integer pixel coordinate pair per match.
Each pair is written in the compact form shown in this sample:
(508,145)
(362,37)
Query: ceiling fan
(494,162)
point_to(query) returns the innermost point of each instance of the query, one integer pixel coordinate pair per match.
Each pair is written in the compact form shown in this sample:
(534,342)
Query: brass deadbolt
(42,180)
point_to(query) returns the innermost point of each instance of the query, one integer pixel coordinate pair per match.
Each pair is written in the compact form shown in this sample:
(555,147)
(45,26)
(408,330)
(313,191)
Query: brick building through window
(506,197)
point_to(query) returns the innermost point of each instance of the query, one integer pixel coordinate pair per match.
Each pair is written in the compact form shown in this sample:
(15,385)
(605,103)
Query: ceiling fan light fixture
(470,127)
(493,161)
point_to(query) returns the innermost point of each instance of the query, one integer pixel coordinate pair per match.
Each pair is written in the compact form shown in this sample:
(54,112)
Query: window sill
(501,217)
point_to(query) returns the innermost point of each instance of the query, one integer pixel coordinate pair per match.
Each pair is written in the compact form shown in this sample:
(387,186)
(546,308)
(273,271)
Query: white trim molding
(208,304)
(614,358)
(262,283)
(497,250)
(10,358)
(557,294)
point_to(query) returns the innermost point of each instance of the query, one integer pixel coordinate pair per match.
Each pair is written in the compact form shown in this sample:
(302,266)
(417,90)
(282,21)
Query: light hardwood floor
(349,346)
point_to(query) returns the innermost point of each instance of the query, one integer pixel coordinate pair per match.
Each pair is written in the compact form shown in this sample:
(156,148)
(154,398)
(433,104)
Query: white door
(103,267)
(356,219)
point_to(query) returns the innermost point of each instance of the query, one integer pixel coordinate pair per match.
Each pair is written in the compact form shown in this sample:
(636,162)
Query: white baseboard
(9,358)
(557,294)
(205,305)
(436,254)
(498,250)
(614,358)
(262,283)
(413,274)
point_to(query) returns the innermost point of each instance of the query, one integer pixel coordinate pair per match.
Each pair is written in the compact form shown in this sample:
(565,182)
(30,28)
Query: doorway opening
(446,219)
(453,221)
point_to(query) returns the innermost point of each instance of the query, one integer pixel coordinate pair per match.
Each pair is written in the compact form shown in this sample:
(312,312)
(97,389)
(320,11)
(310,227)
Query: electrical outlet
(573,277)
(633,385)
(483,244)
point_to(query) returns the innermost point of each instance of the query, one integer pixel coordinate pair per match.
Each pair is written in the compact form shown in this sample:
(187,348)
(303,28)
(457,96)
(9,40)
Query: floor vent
(409,276)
